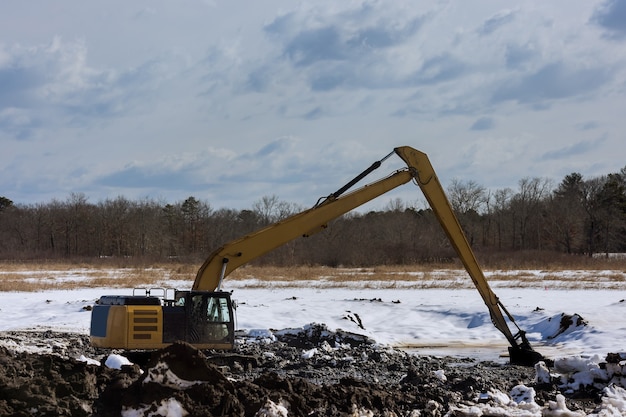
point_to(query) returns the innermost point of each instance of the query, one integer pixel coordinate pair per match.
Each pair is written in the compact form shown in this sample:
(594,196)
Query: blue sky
(230,101)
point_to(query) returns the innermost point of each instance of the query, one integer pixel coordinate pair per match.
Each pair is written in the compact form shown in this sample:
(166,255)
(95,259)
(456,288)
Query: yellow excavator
(204,316)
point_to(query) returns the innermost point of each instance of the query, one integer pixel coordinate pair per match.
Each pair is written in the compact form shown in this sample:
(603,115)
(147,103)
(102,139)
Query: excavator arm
(520,351)
(232,255)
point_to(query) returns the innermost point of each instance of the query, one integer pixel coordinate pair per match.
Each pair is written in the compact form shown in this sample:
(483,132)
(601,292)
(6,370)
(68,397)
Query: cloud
(348,49)
(18,86)
(282,167)
(333,77)
(222,68)
(495,22)
(18,123)
(551,82)
(517,56)
(352,34)
(611,15)
(577,148)
(590,125)
(273,162)
(137,176)
(484,123)
(315,113)
(319,44)
(281,145)
(42,74)
(171,172)
(52,85)
(259,79)
(440,68)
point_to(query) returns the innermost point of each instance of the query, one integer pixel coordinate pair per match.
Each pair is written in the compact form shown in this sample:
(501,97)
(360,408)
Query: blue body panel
(99,318)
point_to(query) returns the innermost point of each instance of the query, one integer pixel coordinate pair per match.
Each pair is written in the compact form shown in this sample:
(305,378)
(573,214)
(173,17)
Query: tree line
(577,216)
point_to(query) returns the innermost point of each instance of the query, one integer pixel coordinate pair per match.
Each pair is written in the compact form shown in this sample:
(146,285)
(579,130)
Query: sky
(232,101)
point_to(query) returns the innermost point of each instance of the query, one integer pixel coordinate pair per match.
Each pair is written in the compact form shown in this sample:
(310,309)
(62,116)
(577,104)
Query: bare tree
(591,203)
(466,196)
(564,224)
(612,211)
(468,199)
(395,205)
(498,208)
(270,209)
(526,211)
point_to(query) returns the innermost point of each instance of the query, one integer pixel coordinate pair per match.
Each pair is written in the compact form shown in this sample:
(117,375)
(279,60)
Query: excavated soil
(313,372)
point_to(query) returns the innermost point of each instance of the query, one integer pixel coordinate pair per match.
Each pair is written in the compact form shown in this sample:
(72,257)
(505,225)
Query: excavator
(204,316)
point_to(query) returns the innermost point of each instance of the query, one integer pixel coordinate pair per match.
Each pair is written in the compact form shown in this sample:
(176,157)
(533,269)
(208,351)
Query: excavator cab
(209,317)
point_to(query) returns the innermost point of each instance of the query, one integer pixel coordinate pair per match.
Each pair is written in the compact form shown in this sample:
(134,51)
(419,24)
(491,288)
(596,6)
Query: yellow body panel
(132,327)
(145,327)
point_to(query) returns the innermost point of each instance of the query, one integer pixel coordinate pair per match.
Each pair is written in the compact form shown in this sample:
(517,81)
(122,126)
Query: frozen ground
(423,319)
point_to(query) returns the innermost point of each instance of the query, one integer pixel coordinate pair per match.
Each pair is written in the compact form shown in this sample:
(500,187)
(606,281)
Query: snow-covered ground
(433,321)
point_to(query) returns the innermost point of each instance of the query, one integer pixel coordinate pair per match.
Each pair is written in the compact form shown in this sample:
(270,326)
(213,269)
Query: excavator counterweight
(204,315)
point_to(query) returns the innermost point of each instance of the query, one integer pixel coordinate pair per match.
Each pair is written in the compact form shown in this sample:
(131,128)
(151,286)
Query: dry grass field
(47,275)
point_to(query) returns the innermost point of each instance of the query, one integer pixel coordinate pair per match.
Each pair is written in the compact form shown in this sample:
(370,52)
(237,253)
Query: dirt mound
(180,377)
(306,372)
(51,385)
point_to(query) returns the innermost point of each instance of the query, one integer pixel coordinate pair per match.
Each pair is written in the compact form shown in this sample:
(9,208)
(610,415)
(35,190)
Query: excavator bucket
(524,356)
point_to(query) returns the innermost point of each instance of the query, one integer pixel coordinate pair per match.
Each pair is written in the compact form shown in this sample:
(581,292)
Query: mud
(312,372)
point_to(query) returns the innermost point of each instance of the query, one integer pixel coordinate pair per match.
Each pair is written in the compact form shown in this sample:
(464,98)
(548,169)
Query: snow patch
(440,375)
(613,402)
(89,361)
(162,374)
(166,408)
(560,327)
(308,354)
(114,361)
(542,373)
(558,408)
(271,409)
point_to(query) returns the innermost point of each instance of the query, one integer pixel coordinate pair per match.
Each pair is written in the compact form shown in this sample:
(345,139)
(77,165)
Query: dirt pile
(312,372)
(51,385)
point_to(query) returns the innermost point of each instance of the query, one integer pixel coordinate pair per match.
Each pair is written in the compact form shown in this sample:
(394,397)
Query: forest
(576,217)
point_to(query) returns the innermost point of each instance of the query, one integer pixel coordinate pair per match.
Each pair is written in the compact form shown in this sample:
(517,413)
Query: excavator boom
(238,252)
(227,258)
